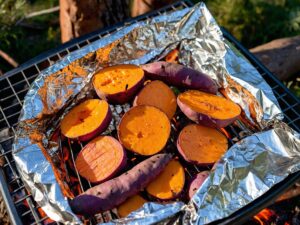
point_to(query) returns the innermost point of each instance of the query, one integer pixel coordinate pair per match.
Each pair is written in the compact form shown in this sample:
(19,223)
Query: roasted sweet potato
(159,95)
(169,184)
(207,109)
(86,120)
(172,56)
(201,145)
(196,182)
(100,159)
(144,130)
(114,192)
(131,204)
(179,75)
(118,84)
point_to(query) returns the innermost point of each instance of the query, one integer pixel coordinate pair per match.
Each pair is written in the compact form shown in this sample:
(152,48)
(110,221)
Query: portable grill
(14,85)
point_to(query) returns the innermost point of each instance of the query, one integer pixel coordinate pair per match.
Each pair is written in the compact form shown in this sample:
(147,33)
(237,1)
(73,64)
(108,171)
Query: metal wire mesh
(15,84)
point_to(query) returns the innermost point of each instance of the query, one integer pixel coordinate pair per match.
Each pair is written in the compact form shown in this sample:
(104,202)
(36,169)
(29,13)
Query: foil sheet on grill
(202,47)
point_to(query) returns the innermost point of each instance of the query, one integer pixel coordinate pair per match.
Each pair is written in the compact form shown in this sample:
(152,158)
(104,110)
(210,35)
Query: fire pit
(14,85)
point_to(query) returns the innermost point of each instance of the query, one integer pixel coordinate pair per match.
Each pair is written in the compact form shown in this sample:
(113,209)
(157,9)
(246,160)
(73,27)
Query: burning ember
(264,216)
(285,211)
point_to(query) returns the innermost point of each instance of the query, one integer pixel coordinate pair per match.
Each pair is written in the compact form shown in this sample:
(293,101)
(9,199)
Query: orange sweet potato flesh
(131,204)
(201,145)
(86,120)
(208,109)
(144,130)
(170,183)
(172,56)
(100,159)
(118,84)
(159,95)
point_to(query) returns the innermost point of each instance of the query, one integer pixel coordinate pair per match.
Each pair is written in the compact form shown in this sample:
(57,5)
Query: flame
(225,133)
(40,211)
(55,136)
(264,216)
(43,214)
(25,203)
(66,154)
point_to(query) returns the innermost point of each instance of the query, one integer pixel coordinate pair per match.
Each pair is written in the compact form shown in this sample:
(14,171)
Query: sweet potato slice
(118,84)
(159,95)
(207,109)
(131,204)
(179,75)
(144,130)
(100,159)
(170,183)
(196,182)
(114,192)
(86,120)
(201,145)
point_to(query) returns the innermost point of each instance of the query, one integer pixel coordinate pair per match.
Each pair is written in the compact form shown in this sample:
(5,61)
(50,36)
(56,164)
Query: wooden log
(280,56)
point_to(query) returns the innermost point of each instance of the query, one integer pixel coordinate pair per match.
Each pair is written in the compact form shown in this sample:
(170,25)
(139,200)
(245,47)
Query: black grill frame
(15,84)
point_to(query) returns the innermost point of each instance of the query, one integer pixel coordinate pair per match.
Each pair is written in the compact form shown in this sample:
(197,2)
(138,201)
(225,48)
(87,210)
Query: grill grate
(15,84)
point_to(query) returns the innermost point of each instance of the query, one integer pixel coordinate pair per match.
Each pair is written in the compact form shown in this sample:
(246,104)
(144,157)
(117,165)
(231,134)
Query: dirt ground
(4,219)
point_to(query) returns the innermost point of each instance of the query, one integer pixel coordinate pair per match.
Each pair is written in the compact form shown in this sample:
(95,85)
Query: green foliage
(10,12)
(25,39)
(294,86)
(254,22)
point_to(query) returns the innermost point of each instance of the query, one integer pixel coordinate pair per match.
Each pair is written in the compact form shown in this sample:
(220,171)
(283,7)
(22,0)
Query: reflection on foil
(151,213)
(67,82)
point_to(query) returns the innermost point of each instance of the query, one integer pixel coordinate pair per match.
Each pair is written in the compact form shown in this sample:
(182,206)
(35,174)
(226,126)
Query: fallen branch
(42,12)
(9,59)
(38,13)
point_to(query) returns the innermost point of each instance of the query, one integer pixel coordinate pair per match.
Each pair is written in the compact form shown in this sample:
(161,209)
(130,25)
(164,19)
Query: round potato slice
(86,120)
(144,130)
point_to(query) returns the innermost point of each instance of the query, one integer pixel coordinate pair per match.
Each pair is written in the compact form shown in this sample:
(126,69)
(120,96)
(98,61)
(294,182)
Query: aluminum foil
(247,170)
(67,82)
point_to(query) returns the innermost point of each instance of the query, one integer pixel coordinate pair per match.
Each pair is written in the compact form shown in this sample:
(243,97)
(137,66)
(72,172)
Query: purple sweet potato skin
(124,96)
(179,75)
(99,130)
(112,193)
(196,183)
(203,119)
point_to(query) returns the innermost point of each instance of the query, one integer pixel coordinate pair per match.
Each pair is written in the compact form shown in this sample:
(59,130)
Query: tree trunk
(281,56)
(78,17)
(140,7)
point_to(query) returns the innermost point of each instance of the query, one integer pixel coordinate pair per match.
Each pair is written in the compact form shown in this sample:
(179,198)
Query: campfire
(285,210)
